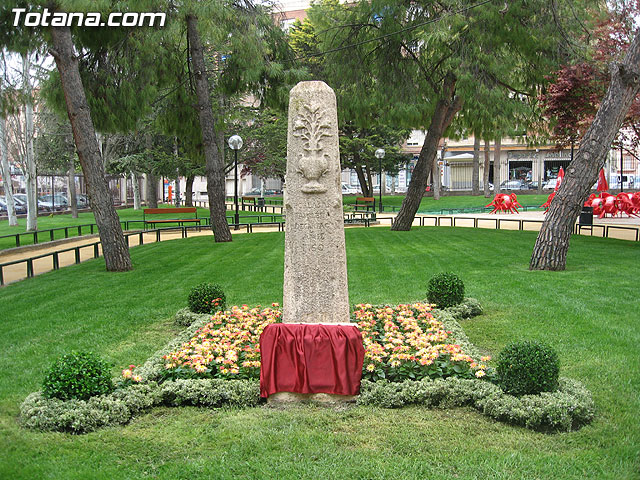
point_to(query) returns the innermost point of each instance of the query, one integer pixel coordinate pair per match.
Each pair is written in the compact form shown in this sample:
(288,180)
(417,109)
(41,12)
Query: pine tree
(114,247)
(552,244)
(423,64)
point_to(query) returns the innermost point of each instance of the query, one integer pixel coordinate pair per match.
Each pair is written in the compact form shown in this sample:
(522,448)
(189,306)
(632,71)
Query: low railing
(423,220)
(49,235)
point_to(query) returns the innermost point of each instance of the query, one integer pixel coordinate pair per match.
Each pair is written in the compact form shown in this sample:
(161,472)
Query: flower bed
(226,347)
(401,342)
(406,342)
(413,355)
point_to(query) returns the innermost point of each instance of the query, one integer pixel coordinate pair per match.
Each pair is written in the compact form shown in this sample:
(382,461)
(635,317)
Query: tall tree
(115,250)
(552,244)
(475,169)
(486,168)
(571,100)
(357,151)
(422,62)
(5,171)
(214,162)
(362,131)
(264,131)
(29,132)
(56,152)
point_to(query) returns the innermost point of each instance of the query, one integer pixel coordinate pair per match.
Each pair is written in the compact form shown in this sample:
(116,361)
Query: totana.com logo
(88,19)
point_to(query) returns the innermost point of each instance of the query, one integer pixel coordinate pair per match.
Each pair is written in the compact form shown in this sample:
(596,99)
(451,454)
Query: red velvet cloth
(311,358)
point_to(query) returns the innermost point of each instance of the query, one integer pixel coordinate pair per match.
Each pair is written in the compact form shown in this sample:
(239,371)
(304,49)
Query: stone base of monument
(287,398)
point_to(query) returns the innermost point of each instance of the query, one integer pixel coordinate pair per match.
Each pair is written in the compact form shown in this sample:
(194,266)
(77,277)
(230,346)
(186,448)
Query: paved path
(18,272)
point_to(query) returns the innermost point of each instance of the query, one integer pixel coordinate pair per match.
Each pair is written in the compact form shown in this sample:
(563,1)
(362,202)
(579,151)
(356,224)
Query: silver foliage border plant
(568,408)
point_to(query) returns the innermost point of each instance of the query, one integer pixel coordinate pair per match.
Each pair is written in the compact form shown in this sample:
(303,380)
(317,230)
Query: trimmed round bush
(78,376)
(207,298)
(445,290)
(528,368)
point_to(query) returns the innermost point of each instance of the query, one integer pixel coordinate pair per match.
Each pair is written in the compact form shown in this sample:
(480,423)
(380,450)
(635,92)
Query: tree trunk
(188,199)
(369,177)
(435,174)
(177,189)
(540,163)
(475,173)
(361,178)
(152,182)
(445,110)
(71,176)
(31,175)
(497,146)
(214,163)
(552,244)
(6,175)
(487,167)
(152,191)
(114,247)
(136,191)
(71,184)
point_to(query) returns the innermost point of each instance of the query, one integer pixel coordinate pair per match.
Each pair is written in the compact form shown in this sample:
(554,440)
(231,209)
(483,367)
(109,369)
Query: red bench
(170,211)
(366,203)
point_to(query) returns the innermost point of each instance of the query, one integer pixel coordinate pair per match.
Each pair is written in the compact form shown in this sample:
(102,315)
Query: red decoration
(311,358)
(607,203)
(505,203)
(559,179)
(547,204)
(602,186)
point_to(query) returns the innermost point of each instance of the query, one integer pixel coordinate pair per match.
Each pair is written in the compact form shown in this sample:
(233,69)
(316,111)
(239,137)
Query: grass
(428,204)
(588,313)
(86,218)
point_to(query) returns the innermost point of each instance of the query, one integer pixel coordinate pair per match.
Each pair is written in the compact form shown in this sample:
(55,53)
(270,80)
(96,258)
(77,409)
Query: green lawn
(428,204)
(589,313)
(86,218)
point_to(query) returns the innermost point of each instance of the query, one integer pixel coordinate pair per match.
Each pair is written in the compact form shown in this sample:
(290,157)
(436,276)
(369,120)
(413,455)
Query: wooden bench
(367,203)
(249,202)
(170,211)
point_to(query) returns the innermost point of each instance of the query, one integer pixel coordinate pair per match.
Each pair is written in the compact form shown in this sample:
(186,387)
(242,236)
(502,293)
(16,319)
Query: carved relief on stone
(311,127)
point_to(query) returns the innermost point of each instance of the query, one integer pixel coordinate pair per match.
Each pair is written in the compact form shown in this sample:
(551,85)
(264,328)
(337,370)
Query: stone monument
(315,261)
(315,354)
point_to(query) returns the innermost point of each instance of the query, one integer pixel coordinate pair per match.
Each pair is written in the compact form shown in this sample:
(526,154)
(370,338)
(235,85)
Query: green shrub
(566,409)
(206,298)
(79,416)
(77,376)
(445,290)
(185,317)
(528,368)
(470,307)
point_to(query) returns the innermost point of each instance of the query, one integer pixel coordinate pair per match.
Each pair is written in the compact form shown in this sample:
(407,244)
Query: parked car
(53,202)
(513,185)
(349,190)
(82,200)
(20,207)
(22,197)
(550,184)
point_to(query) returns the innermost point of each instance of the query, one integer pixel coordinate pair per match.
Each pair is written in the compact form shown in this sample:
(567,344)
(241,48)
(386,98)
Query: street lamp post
(235,144)
(380,155)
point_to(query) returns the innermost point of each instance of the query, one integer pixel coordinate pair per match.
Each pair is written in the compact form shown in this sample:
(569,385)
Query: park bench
(254,204)
(176,216)
(249,202)
(366,203)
